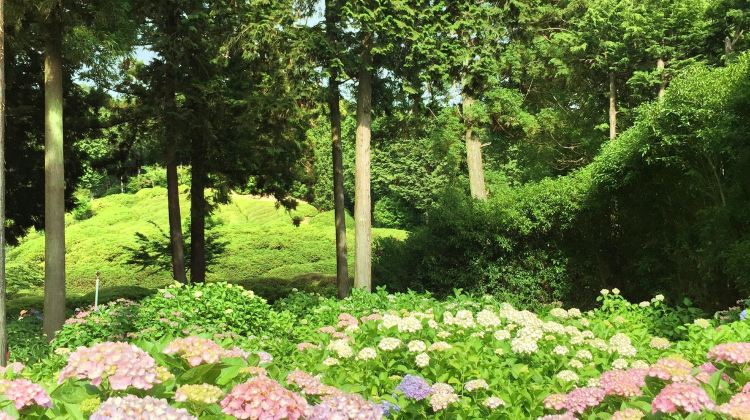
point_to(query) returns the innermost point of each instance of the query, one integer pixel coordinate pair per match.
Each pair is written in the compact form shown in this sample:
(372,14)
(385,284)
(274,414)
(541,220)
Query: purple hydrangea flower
(414,387)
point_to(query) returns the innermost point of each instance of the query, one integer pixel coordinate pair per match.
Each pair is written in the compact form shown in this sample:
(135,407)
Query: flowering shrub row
(407,356)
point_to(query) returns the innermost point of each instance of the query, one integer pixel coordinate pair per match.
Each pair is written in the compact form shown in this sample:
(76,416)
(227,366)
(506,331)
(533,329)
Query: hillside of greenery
(263,245)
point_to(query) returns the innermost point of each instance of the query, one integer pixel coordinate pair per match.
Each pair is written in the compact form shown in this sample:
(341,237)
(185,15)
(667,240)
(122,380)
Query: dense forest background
(612,135)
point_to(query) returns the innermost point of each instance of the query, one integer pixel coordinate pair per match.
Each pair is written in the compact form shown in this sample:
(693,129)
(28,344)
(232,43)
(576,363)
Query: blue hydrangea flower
(414,387)
(743,315)
(389,408)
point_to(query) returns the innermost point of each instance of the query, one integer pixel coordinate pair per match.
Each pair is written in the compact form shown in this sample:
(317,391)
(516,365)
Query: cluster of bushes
(663,208)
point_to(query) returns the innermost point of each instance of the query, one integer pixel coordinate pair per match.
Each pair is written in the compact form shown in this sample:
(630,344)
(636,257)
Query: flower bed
(407,356)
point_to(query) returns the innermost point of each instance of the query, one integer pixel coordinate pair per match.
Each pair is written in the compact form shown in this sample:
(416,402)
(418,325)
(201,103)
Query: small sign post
(96,292)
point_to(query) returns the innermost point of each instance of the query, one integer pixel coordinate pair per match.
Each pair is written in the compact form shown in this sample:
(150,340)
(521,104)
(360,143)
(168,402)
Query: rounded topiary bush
(180,310)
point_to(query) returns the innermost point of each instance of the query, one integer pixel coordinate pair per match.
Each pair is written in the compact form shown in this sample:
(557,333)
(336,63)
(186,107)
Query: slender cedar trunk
(176,242)
(198,210)
(362,203)
(473,151)
(54,181)
(3,326)
(612,107)
(342,269)
(660,65)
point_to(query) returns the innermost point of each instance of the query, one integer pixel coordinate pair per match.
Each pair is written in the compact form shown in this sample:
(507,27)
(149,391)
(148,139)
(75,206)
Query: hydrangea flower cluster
(627,414)
(123,365)
(738,407)
(736,353)
(344,407)
(24,393)
(680,396)
(672,368)
(581,399)
(623,383)
(199,393)
(263,398)
(442,395)
(134,408)
(310,385)
(414,387)
(197,350)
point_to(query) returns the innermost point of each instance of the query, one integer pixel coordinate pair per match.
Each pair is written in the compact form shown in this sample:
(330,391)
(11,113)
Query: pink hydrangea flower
(627,414)
(347,320)
(678,396)
(623,383)
(123,365)
(24,393)
(15,367)
(581,399)
(307,346)
(673,369)
(372,317)
(738,407)
(197,350)
(131,407)
(263,398)
(345,407)
(563,416)
(706,370)
(746,388)
(736,353)
(555,402)
(310,385)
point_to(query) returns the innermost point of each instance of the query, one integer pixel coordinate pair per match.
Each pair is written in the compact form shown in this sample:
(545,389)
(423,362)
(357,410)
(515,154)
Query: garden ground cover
(219,351)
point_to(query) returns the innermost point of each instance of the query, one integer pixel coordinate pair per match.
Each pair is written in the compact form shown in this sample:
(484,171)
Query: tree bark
(342,269)
(362,203)
(176,241)
(473,151)
(3,282)
(612,107)
(54,181)
(660,65)
(198,210)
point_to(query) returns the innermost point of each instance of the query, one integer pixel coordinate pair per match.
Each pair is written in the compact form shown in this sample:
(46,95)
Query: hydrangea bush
(402,356)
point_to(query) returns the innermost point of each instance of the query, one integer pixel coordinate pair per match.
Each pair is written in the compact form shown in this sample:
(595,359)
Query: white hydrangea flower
(488,319)
(644,304)
(575,364)
(341,348)
(604,292)
(615,291)
(567,376)
(330,361)
(620,364)
(703,323)
(559,313)
(560,350)
(660,343)
(524,345)
(501,335)
(416,346)
(574,313)
(422,360)
(389,343)
(584,355)
(367,353)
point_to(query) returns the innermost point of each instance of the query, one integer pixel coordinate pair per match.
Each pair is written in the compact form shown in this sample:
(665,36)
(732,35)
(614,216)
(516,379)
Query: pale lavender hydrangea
(414,387)
(131,407)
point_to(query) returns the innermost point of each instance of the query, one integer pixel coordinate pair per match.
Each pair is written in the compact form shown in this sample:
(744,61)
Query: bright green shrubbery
(180,310)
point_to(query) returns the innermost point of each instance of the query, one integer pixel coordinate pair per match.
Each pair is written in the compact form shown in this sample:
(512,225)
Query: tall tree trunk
(660,65)
(612,107)
(3,283)
(473,151)
(176,241)
(342,269)
(362,199)
(54,181)
(198,210)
